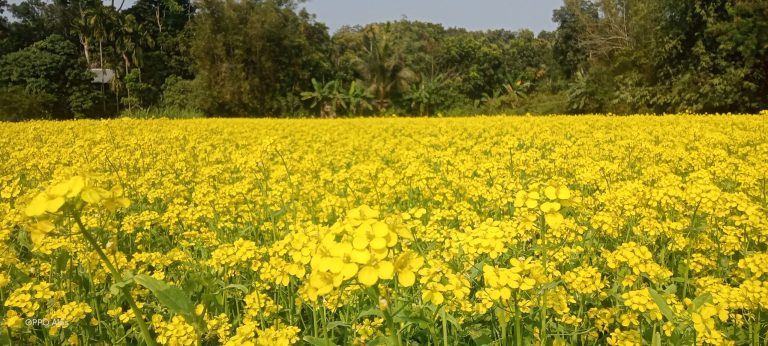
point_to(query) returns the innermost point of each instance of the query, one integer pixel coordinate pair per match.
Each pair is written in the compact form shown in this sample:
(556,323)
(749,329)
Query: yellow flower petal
(360,256)
(37,206)
(359,242)
(386,270)
(554,220)
(437,298)
(92,195)
(349,270)
(380,229)
(58,190)
(368,276)
(550,192)
(40,230)
(378,243)
(53,205)
(406,278)
(76,185)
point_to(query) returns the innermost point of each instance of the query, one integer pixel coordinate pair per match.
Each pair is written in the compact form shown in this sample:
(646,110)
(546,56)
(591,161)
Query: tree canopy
(272,58)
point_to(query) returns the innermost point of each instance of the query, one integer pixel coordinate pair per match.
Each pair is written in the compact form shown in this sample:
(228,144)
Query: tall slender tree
(383,68)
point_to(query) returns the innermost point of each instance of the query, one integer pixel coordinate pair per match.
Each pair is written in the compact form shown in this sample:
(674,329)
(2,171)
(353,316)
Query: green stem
(314,321)
(445,327)
(765,338)
(518,325)
(503,325)
(756,335)
(433,334)
(391,324)
(118,278)
(543,331)
(325,324)
(291,302)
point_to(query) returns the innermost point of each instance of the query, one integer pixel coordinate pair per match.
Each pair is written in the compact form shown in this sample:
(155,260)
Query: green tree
(4,34)
(52,67)
(164,21)
(382,68)
(137,92)
(250,55)
(181,94)
(428,95)
(713,57)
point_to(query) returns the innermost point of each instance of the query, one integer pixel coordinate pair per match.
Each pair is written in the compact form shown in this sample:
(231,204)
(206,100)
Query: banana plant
(517,88)
(357,99)
(324,93)
(424,95)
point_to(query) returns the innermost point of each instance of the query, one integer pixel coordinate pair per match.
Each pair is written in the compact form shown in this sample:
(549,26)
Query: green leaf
(116,288)
(452,320)
(336,324)
(171,297)
(370,312)
(380,340)
(412,317)
(701,300)
(476,270)
(318,341)
(662,304)
(656,339)
(238,287)
(548,286)
(61,261)
(5,339)
(481,337)
(219,299)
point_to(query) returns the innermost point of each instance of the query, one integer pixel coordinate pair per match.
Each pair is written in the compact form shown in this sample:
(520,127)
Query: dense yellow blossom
(176,332)
(555,230)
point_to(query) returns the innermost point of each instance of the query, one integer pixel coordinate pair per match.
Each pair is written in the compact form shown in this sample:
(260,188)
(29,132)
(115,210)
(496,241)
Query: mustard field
(588,230)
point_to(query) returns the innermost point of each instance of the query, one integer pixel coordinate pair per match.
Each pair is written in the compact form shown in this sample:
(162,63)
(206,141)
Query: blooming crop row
(528,230)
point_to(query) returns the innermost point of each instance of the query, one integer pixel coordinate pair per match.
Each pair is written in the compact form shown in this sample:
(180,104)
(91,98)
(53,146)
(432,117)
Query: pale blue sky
(474,15)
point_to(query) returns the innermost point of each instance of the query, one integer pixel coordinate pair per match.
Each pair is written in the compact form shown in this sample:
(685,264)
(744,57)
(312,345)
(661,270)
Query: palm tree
(382,68)
(98,20)
(122,33)
(83,29)
(129,39)
(94,23)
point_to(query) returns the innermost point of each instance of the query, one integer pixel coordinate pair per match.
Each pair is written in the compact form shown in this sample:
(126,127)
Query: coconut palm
(382,68)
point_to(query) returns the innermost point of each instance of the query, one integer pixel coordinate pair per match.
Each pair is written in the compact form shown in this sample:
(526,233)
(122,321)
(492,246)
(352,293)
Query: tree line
(273,58)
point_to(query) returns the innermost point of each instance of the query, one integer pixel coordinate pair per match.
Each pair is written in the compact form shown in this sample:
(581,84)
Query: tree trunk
(101,56)
(157,18)
(127,89)
(127,63)
(86,49)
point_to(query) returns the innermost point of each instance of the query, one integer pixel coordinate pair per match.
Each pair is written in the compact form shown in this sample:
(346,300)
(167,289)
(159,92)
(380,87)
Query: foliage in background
(16,103)
(51,67)
(259,58)
(246,55)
